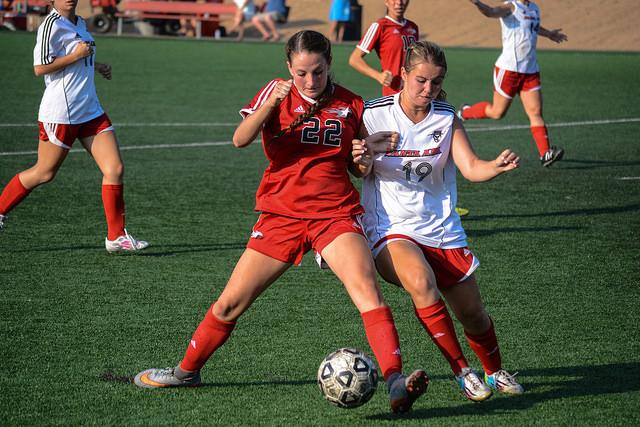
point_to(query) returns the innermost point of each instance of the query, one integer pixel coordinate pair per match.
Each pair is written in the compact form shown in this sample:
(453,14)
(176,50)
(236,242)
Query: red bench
(153,9)
(22,10)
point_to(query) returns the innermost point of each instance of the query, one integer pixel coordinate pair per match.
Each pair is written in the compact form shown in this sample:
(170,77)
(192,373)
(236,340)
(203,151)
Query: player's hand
(558,36)
(381,142)
(361,155)
(280,92)
(82,50)
(104,70)
(507,161)
(385,78)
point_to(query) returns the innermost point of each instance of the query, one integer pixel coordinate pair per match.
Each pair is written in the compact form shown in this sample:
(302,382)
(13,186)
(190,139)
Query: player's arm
(250,127)
(554,35)
(473,168)
(82,50)
(356,60)
(492,12)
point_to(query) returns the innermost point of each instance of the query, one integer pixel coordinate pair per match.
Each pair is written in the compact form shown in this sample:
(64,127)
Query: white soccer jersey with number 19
(70,95)
(412,190)
(519,38)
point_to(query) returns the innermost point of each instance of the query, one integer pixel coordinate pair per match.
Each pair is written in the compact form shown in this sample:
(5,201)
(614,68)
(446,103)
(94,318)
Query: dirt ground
(589,24)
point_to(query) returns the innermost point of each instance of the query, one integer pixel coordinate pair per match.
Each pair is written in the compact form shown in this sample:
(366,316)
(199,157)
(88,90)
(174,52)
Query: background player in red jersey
(70,110)
(307,201)
(517,72)
(389,37)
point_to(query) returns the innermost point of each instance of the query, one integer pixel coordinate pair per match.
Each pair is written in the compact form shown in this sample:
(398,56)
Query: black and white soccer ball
(347,378)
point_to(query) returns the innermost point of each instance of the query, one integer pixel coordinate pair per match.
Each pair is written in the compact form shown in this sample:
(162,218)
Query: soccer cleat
(2,218)
(552,155)
(125,243)
(403,390)
(462,211)
(161,378)
(503,382)
(472,386)
(462,108)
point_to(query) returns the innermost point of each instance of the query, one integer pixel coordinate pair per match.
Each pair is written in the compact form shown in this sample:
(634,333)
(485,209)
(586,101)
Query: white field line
(628,178)
(217,143)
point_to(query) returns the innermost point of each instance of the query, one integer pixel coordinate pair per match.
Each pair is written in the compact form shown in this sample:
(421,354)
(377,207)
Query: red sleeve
(371,38)
(259,99)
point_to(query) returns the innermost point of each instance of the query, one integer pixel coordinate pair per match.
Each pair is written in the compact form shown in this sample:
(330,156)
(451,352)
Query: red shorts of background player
(510,83)
(64,135)
(450,266)
(288,239)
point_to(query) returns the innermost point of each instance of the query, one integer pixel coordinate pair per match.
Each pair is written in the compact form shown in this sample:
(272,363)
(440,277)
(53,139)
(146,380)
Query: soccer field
(559,249)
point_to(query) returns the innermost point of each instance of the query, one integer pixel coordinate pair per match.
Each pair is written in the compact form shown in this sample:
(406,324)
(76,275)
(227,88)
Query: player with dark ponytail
(307,201)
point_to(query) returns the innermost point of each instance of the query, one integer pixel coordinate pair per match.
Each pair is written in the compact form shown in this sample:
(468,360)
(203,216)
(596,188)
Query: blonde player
(516,71)
(414,233)
(70,110)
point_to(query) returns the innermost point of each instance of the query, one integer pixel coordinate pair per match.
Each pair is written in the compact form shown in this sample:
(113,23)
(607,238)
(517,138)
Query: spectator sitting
(246,11)
(275,11)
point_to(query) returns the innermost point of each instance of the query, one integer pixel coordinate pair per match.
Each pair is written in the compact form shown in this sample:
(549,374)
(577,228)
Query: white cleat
(504,382)
(2,218)
(125,243)
(472,386)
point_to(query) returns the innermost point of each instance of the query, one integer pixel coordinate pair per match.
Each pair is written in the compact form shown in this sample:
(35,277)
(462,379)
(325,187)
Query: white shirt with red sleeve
(70,96)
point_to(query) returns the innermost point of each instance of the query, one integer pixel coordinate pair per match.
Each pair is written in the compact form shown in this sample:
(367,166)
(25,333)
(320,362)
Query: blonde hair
(426,51)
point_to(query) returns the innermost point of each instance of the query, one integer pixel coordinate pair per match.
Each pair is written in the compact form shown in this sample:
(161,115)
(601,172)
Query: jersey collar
(404,21)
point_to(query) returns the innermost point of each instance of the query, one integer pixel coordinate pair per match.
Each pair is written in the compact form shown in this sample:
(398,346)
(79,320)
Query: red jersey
(390,39)
(307,175)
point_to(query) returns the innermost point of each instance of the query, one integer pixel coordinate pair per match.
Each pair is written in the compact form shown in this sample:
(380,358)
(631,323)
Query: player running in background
(517,72)
(307,201)
(389,37)
(414,233)
(70,110)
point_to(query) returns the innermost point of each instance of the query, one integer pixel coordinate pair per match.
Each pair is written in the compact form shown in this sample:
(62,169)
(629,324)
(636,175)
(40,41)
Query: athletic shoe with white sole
(161,378)
(552,155)
(472,386)
(404,390)
(504,382)
(2,217)
(462,108)
(125,243)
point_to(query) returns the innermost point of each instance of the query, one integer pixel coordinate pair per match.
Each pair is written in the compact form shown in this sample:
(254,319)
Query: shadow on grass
(591,164)
(549,384)
(151,252)
(571,212)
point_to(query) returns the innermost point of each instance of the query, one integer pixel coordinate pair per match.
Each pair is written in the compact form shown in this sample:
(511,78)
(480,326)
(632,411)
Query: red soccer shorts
(450,266)
(64,135)
(510,83)
(288,239)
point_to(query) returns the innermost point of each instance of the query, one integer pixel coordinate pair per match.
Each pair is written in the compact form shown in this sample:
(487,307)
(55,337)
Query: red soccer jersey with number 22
(307,175)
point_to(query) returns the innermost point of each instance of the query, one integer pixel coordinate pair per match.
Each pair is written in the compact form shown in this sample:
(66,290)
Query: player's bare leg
(532,103)
(499,107)
(50,158)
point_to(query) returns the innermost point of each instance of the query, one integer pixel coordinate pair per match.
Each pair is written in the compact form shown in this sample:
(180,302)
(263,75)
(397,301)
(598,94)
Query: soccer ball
(347,378)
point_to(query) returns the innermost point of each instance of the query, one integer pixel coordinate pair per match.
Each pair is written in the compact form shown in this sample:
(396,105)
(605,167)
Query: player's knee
(44,176)
(225,311)
(114,172)
(475,319)
(421,285)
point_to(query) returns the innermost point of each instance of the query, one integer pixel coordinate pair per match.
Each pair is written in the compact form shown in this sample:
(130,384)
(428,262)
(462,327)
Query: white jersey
(519,38)
(70,95)
(412,190)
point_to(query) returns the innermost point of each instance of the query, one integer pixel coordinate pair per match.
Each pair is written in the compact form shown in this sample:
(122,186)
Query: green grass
(559,251)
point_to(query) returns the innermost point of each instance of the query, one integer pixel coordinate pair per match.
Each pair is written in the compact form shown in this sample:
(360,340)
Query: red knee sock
(437,322)
(541,137)
(208,337)
(383,339)
(113,201)
(476,111)
(486,348)
(12,195)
